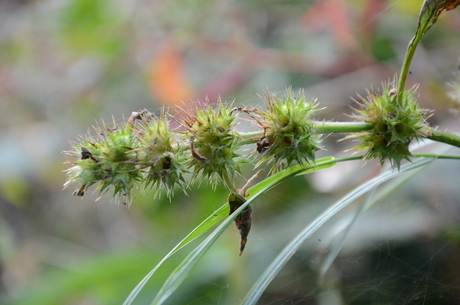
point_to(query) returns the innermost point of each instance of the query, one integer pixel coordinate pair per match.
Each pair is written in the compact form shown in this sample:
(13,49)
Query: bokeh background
(66,64)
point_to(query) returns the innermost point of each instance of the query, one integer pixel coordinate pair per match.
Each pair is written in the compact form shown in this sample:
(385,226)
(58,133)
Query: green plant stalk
(350,127)
(436,156)
(406,64)
(340,127)
(318,128)
(431,9)
(444,137)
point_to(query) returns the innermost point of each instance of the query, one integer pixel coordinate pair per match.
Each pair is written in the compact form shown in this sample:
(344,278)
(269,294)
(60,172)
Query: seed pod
(395,124)
(288,133)
(107,161)
(160,154)
(212,144)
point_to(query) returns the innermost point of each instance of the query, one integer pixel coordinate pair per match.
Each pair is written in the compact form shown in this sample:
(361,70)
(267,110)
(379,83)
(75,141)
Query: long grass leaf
(264,185)
(338,241)
(284,256)
(184,268)
(223,211)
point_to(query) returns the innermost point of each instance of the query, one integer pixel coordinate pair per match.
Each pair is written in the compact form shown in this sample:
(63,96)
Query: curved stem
(444,137)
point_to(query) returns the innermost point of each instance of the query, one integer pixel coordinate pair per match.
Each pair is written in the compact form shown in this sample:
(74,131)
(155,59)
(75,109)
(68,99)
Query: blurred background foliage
(66,64)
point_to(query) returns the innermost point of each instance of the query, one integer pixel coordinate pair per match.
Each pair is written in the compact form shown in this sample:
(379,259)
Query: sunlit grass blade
(264,185)
(181,272)
(223,211)
(284,256)
(208,223)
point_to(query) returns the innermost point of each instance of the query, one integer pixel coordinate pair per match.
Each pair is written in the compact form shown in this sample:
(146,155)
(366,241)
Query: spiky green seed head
(396,121)
(160,155)
(213,144)
(108,161)
(288,131)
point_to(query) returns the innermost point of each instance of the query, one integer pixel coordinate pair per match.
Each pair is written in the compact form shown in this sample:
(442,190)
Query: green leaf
(338,241)
(430,12)
(184,268)
(284,256)
(182,271)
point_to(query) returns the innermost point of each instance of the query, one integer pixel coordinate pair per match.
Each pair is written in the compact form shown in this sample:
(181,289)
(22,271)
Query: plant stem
(340,127)
(406,64)
(444,137)
(229,182)
(318,128)
(349,127)
(436,156)
(352,158)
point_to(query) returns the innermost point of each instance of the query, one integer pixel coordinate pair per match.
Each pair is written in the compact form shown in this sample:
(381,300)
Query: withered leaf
(450,5)
(431,10)
(242,221)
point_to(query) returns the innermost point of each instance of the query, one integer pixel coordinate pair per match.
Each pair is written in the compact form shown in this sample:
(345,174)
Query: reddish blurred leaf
(166,76)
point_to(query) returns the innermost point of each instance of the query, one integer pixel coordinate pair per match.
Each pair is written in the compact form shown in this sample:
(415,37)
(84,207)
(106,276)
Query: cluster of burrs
(204,146)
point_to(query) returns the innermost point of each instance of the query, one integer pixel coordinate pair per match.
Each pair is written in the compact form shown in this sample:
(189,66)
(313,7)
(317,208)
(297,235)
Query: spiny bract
(107,160)
(288,131)
(160,154)
(213,144)
(396,121)
(143,150)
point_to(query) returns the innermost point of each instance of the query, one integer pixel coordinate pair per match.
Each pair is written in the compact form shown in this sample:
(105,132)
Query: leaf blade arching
(222,213)
(182,271)
(261,284)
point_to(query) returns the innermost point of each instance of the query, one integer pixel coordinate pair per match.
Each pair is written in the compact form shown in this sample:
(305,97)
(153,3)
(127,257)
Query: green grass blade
(268,275)
(184,268)
(337,242)
(223,212)
(264,185)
